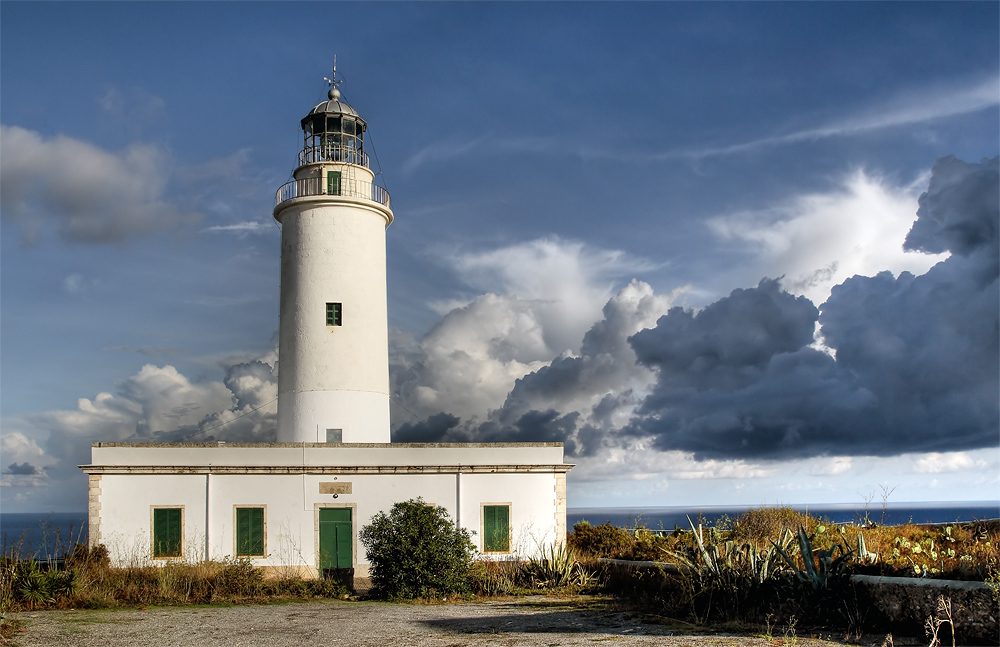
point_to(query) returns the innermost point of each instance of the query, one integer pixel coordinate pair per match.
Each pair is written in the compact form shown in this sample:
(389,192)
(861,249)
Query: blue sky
(554,169)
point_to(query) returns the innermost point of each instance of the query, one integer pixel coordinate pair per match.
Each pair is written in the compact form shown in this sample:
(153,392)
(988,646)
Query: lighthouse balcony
(313,186)
(333,153)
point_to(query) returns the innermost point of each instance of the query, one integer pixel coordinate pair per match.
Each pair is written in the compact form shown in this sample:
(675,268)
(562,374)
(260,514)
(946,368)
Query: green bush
(604,540)
(416,551)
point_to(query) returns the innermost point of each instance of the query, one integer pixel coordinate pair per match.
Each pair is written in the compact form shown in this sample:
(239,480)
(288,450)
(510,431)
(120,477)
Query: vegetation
(959,551)
(780,566)
(417,551)
(89,581)
(556,568)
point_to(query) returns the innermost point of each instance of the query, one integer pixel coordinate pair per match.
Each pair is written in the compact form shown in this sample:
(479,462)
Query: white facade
(208,482)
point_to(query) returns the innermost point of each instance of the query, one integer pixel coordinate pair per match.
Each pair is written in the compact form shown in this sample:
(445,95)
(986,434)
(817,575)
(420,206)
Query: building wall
(212,482)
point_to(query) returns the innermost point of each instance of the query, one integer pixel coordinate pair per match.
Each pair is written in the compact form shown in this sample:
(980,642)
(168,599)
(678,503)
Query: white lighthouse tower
(333,372)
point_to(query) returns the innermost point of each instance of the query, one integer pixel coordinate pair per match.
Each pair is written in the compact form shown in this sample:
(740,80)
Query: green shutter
(496,528)
(333,183)
(166,532)
(334,314)
(249,531)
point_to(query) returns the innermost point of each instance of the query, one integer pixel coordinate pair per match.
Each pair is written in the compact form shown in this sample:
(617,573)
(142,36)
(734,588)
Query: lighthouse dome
(335,107)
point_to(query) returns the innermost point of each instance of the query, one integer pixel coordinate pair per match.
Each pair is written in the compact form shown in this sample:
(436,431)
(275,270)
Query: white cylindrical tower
(333,352)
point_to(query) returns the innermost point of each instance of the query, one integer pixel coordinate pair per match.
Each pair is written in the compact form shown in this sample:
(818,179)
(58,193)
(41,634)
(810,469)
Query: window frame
(334,313)
(482,526)
(153,545)
(236,529)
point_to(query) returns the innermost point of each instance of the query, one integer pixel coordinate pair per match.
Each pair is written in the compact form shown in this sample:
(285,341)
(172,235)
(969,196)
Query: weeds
(943,616)
(91,582)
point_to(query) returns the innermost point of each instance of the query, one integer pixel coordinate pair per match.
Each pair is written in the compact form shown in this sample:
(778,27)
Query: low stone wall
(898,604)
(905,604)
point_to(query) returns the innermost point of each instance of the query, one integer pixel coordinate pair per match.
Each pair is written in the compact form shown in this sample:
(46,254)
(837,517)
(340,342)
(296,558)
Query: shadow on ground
(547,621)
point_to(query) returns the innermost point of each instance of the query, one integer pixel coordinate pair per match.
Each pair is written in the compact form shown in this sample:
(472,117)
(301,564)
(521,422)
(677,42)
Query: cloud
(24,469)
(917,107)
(157,404)
(937,463)
(922,105)
(577,397)
(818,240)
(87,194)
(242,228)
(566,281)
(831,466)
(31,471)
(541,297)
(916,366)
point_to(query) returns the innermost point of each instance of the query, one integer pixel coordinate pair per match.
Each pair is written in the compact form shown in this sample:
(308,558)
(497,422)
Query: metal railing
(333,153)
(318,186)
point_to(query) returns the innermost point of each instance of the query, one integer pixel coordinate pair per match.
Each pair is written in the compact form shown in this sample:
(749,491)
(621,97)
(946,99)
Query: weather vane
(334,93)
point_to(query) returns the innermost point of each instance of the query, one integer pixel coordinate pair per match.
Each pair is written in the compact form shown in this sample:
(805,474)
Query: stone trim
(560,468)
(560,492)
(94,510)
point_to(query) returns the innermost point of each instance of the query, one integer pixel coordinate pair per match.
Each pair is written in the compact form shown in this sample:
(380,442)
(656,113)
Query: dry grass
(91,582)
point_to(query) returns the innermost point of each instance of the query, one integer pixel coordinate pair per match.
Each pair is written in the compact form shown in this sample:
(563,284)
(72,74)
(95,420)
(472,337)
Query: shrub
(416,551)
(604,540)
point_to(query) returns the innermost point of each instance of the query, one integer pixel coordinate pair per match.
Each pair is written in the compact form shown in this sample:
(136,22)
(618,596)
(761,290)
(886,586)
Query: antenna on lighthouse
(334,93)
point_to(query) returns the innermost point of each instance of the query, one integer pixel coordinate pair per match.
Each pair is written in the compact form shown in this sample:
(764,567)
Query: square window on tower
(334,314)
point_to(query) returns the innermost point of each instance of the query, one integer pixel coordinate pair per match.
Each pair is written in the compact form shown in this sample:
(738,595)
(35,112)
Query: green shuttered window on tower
(496,528)
(333,183)
(250,531)
(334,314)
(167,532)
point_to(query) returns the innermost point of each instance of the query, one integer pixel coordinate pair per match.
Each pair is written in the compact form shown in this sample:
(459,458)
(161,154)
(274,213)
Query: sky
(728,253)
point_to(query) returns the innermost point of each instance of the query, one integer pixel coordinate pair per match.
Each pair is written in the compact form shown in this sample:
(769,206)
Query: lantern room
(333,132)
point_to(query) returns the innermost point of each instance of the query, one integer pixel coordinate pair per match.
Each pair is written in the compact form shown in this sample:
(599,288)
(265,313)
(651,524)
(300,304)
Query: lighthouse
(300,503)
(333,348)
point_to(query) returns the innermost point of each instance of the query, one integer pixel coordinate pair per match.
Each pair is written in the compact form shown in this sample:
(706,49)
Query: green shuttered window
(250,531)
(333,183)
(334,314)
(167,532)
(496,528)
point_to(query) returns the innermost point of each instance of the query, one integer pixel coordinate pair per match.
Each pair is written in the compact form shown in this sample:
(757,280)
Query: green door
(335,538)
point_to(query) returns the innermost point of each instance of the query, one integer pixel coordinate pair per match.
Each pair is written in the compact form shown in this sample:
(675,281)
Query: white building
(299,503)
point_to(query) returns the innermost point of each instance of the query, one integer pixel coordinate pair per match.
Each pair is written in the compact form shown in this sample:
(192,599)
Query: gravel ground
(525,621)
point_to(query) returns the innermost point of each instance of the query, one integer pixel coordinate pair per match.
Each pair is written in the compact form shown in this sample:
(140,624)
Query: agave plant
(820,568)
(557,567)
(727,559)
(863,553)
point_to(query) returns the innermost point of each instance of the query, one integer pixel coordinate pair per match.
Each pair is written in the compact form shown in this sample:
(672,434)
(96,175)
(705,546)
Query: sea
(52,534)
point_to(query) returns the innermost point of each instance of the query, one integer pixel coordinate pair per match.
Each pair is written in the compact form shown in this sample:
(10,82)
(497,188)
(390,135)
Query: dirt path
(534,621)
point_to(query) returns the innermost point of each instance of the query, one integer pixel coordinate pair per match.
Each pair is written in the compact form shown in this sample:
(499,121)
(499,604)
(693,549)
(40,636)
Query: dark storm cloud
(958,213)
(730,342)
(24,469)
(917,357)
(432,430)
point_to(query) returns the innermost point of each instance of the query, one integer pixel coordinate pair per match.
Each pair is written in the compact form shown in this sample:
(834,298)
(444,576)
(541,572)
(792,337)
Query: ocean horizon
(50,534)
